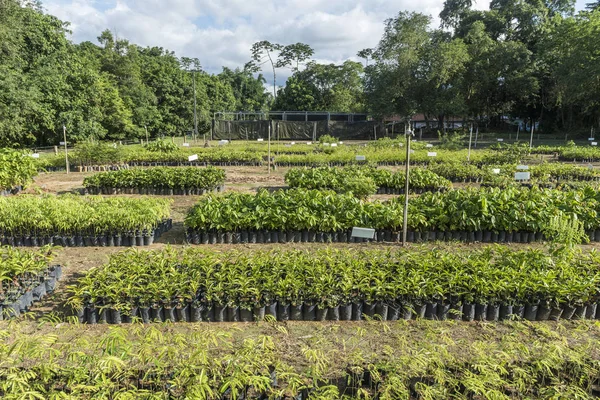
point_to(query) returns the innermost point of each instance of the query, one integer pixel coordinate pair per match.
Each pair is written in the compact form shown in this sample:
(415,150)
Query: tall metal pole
(531,139)
(269,149)
(195,115)
(470,140)
(66,151)
(406,188)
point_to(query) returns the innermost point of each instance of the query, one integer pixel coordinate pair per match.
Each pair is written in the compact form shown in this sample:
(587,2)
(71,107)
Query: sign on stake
(193,157)
(363,233)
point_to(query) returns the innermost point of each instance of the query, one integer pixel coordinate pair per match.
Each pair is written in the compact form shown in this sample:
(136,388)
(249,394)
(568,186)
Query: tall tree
(264,52)
(294,54)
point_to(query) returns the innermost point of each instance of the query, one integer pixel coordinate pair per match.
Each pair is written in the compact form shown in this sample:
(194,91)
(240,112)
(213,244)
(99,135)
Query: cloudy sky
(221,32)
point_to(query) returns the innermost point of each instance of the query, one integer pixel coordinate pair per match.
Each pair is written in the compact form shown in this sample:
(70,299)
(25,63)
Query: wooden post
(269,149)
(470,139)
(406,189)
(66,151)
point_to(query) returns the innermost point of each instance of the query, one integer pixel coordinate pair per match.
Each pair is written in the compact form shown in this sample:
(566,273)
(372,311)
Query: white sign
(594,143)
(496,170)
(364,233)
(326,144)
(223,142)
(62,143)
(35,155)
(501,140)
(341,142)
(193,157)
(293,143)
(186,145)
(309,143)
(361,158)
(523,167)
(333,144)
(429,145)
(590,139)
(431,154)
(260,140)
(522,176)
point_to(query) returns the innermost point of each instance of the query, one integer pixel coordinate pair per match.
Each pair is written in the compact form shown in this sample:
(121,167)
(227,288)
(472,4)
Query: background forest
(529,59)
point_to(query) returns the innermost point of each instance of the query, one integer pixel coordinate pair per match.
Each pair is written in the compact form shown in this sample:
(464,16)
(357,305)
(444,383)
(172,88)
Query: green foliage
(344,180)
(69,215)
(328,139)
(162,146)
(321,87)
(16,169)
(491,209)
(270,360)
(21,271)
(332,278)
(96,153)
(208,178)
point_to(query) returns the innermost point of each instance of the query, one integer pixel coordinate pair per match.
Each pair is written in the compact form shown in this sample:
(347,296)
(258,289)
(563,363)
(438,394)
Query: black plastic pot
(145,314)
(182,313)
(102,314)
(442,311)
(283,311)
(487,236)
(579,312)
(81,314)
(271,309)
(208,313)
(346,312)
(246,315)
(468,312)
(245,237)
(196,313)
(321,314)
(259,313)
(555,313)
(505,312)
(220,312)
(455,312)
(333,314)
(357,311)
(519,311)
(156,314)
(419,310)
(590,312)
(369,309)
(381,310)
(91,315)
(493,312)
(309,312)
(543,313)
(233,314)
(296,312)
(39,291)
(431,311)
(481,312)
(568,312)
(115,317)
(531,311)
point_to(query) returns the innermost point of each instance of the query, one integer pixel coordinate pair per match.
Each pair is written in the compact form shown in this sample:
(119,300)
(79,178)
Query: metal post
(531,139)
(146,128)
(406,189)
(195,115)
(66,151)
(269,149)
(470,139)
